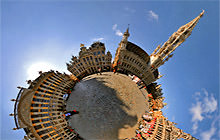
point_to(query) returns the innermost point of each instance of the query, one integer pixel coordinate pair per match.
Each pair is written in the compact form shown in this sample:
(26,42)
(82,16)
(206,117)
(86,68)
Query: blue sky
(44,35)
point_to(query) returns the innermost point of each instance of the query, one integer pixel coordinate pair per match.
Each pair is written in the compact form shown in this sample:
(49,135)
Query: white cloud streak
(196,111)
(207,135)
(130,10)
(114,27)
(153,16)
(210,103)
(98,39)
(117,31)
(204,105)
(195,127)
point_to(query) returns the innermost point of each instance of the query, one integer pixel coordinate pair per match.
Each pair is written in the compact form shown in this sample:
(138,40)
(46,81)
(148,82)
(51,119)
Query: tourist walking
(99,70)
(70,113)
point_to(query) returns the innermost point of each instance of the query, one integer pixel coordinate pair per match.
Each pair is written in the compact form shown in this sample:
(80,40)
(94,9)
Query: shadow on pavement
(102,113)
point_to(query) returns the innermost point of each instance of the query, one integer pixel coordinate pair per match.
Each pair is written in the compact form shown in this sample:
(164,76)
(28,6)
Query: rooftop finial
(201,14)
(126,33)
(82,45)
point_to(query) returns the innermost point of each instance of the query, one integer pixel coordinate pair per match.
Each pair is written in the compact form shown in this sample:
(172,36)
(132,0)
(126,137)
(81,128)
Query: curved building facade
(40,109)
(131,59)
(154,126)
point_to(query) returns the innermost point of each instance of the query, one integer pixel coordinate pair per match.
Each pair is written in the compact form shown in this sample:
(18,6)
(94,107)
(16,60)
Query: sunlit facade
(90,60)
(40,108)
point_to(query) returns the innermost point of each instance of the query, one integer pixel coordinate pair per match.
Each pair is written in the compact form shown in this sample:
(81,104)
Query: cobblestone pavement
(110,107)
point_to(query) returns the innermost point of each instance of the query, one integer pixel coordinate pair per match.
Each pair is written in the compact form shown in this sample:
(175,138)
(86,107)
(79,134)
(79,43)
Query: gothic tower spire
(126,35)
(162,54)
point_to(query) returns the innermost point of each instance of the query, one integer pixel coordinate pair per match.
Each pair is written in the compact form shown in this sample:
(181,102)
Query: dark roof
(95,44)
(138,51)
(156,73)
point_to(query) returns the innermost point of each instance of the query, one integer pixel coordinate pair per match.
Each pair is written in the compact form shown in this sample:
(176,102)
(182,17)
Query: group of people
(147,124)
(67,116)
(146,127)
(67,94)
(70,113)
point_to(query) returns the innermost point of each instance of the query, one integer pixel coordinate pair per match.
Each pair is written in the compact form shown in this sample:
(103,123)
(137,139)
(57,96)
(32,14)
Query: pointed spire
(193,23)
(177,38)
(126,35)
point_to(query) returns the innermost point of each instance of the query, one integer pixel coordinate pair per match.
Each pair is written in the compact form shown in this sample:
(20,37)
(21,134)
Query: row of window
(98,53)
(49,84)
(87,61)
(134,61)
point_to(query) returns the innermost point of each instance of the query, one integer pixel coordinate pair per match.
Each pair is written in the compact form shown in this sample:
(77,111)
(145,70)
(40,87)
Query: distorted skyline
(42,35)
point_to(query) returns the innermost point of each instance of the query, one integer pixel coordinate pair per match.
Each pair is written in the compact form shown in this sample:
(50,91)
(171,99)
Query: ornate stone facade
(39,109)
(132,59)
(155,126)
(90,60)
(155,90)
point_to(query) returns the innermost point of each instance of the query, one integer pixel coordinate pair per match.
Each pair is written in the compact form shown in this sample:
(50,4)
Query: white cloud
(207,135)
(153,16)
(117,31)
(127,9)
(196,111)
(98,39)
(204,105)
(197,94)
(210,103)
(195,127)
(114,27)
(205,92)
